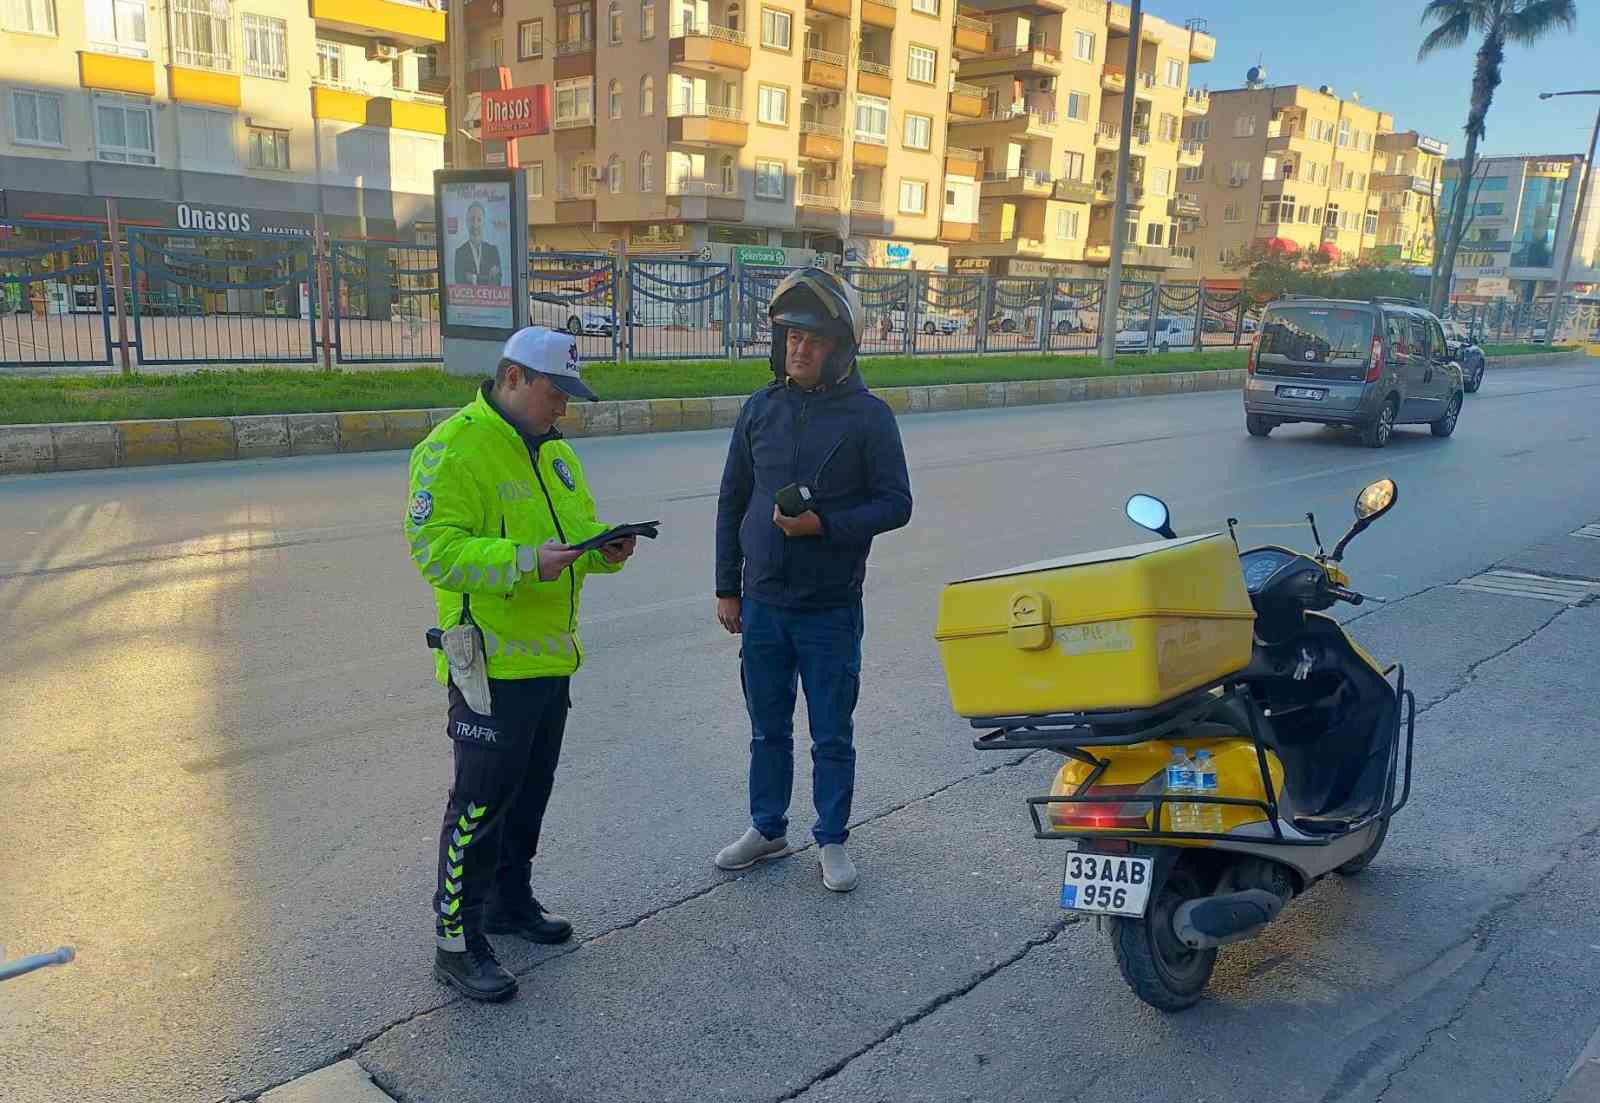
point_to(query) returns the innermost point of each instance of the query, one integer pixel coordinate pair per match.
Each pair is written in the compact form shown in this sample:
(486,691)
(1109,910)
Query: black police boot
(474,972)
(521,915)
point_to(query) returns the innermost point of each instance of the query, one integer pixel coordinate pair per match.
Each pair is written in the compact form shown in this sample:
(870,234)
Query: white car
(930,320)
(565,310)
(1171,332)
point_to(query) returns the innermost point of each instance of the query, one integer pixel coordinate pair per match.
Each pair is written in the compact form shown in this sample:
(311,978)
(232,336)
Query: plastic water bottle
(1206,817)
(1181,782)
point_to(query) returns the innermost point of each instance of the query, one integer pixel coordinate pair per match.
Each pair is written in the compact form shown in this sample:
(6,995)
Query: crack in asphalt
(1470,675)
(1050,935)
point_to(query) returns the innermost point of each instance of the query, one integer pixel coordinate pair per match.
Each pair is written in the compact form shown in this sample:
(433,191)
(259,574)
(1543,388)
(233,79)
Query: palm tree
(1499,22)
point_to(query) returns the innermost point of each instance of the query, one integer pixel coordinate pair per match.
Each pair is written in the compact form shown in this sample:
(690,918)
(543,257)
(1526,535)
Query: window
(497,51)
(1366,142)
(1078,105)
(330,63)
(1163,181)
(536,179)
(1244,126)
(118,26)
(772,105)
(1174,74)
(730,175)
(913,197)
(1344,133)
(1239,172)
(1066,225)
(1083,46)
(1072,166)
(201,28)
(647,172)
(1361,181)
(575,100)
(206,139)
(1194,174)
(1493,183)
(919,131)
(614,99)
(776,28)
(647,96)
(922,64)
(28,16)
(266,47)
(772,180)
(1200,130)
(872,120)
(1230,213)
(734,17)
(1168,128)
(614,175)
(36,118)
(1130,231)
(125,131)
(530,39)
(1370,223)
(1153,233)
(575,24)
(269,149)
(614,21)
(647,20)
(926,7)
(1305,214)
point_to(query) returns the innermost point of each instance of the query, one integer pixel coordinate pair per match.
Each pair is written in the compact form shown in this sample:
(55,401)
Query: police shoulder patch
(421,507)
(564,473)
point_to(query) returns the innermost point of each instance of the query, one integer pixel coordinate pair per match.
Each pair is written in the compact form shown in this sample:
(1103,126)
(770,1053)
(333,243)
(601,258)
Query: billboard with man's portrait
(478,251)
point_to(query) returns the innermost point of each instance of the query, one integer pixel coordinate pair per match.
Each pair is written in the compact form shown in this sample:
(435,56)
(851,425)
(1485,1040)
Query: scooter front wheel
(1161,970)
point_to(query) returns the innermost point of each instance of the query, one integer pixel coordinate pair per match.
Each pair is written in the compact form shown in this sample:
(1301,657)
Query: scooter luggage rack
(1067,733)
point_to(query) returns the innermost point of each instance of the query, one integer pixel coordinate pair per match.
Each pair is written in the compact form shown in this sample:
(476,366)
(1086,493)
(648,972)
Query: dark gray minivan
(1368,365)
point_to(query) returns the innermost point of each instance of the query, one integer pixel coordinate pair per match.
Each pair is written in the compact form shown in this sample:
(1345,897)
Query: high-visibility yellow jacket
(479,490)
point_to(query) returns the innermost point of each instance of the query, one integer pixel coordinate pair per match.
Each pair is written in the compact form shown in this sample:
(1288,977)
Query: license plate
(1301,392)
(1106,884)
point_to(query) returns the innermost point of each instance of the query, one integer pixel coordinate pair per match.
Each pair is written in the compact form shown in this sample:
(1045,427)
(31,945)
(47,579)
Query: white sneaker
(838,871)
(750,848)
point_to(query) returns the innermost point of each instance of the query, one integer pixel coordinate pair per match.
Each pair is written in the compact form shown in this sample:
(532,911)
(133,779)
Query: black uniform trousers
(505,768)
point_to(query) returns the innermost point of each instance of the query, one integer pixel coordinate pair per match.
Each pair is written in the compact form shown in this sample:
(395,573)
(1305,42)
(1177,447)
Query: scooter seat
(1324,825)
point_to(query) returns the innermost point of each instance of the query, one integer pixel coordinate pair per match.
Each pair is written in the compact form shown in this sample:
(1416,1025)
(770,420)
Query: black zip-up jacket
(843,442)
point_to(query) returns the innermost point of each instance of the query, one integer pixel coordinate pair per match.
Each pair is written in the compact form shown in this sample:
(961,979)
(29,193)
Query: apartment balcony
(574,58)
(1108,136)
(1119,17)
(1099,254)
(204,86)
(1004,243)
(109,73)
(874,78)
(398,21)
(1191,154)
(1402,182)
(1184,205)
(1196,101)
(1015,59)
(695,200)
(483,13)
(819,211)
(870,152)
(1073,191)
(962,162)
(709,47)
(967,100)
(972,35)
(867,217)
(706,124)
(1009,121)
(1202,45)
(1114,79)
(821,142)
(824,69)
(1026,184)
(571,210)
(956,232)
(839,9)
(574,135)
(878,13)
(1105,194)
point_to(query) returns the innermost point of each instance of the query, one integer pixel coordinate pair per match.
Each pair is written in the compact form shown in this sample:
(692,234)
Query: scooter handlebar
(1342,594)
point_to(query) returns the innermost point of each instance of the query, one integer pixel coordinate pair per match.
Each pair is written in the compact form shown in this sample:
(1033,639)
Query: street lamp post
(1111,304)
(1577,211)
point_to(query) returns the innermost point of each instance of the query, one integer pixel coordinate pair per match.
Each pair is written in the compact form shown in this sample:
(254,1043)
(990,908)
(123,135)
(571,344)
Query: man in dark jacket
(790,579)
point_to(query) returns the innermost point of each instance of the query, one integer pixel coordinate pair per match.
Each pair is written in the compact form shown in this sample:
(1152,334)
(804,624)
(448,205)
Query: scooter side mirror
(1150,512)
(1373,502)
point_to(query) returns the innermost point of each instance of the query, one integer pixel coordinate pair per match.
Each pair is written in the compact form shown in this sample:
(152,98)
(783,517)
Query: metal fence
(194,299)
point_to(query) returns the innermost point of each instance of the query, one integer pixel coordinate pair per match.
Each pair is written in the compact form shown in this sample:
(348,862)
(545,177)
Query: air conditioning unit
(382,51)
(827,172)
(1047,84)
(828,99)
(592,173)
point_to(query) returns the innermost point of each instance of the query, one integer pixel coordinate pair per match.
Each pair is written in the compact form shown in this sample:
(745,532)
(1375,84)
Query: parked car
(1170,332)
(1365,365)
(565,310)
(1069,316)
(930,320)
(1465,350)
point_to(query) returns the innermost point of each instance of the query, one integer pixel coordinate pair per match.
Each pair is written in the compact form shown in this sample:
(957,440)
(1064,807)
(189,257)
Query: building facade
(1520,218)
(1408,178)
(222,115)
(1052,91)
(1297,169)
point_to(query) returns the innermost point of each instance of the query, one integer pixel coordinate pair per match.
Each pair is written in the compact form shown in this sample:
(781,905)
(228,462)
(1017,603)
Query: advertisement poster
(478,252)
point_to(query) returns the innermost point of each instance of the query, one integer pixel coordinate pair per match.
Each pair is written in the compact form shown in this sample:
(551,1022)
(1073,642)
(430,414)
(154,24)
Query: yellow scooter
(1114,659)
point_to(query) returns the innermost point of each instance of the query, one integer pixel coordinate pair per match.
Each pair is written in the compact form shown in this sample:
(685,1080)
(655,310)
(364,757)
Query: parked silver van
(1366,365)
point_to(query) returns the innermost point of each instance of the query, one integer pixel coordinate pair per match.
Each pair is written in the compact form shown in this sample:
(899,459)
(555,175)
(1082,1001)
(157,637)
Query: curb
(95,445)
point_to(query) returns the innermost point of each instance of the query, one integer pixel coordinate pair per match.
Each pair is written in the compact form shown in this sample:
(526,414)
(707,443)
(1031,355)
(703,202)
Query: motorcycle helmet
(816,300)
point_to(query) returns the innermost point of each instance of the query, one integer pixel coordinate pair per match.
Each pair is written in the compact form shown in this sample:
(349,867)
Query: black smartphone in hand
(794,499)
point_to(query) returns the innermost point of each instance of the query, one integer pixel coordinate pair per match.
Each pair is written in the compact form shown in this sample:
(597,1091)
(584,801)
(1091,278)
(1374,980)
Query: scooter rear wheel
(1364,859)
(1160,969)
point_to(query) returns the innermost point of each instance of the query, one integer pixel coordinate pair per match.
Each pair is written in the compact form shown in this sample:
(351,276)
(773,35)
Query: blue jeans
(820,650)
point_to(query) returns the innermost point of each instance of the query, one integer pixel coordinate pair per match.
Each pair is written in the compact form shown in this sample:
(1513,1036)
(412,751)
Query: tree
(1270,273)
(1499,22)
(1440,232)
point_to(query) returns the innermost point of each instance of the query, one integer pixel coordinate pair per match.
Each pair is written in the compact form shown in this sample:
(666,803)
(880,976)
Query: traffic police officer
(497,498)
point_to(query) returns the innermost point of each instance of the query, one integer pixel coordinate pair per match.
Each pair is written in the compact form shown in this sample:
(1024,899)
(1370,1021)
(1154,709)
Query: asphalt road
(221,772)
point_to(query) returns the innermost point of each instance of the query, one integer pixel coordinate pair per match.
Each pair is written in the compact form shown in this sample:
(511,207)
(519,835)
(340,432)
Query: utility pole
(1577,212)
(456,47)
(1111,308)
